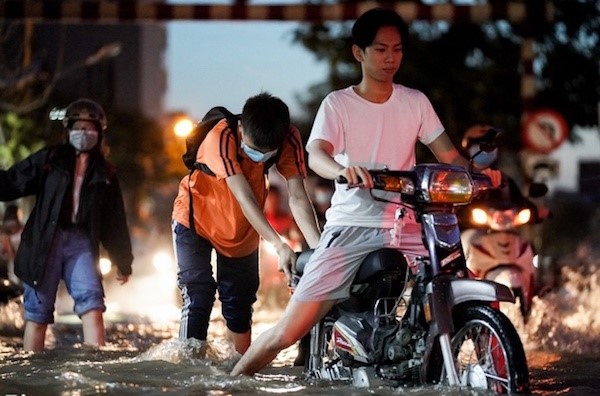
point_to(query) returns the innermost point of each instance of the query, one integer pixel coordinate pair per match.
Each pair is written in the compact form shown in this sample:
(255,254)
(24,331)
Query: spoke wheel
(488,351)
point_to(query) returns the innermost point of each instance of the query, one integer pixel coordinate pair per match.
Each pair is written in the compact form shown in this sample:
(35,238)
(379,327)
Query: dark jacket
(48,174)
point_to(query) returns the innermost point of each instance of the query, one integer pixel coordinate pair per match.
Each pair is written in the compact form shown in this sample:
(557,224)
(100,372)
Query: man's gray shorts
(336,260)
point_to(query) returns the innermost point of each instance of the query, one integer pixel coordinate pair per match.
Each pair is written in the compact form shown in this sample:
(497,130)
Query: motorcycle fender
(479,290)
(445,293)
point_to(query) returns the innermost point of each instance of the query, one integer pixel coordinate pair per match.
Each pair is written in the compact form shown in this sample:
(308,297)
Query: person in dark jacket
(79,205)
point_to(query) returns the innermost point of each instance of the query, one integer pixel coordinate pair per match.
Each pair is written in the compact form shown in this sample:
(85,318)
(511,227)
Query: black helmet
(85,110)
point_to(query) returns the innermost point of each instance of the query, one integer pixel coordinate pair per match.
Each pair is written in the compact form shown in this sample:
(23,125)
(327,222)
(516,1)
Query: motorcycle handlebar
(482,183)
(481,180)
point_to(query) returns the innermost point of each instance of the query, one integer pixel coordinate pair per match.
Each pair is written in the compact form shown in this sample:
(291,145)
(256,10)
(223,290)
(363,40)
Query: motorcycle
(414,321)
(495,245)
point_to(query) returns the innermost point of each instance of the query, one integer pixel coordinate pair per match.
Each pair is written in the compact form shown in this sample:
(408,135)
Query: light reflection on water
(144,355)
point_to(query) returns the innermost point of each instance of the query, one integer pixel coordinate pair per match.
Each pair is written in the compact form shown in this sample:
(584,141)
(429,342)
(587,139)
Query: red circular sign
(544,130)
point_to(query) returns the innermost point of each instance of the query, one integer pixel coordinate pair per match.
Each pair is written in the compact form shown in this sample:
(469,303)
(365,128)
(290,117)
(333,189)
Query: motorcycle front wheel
(488,351)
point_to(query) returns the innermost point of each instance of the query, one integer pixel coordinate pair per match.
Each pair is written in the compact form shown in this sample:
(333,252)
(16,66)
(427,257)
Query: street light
(183,127)
(177,126)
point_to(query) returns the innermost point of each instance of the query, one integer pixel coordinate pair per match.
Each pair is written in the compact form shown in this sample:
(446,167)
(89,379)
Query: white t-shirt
(376,136)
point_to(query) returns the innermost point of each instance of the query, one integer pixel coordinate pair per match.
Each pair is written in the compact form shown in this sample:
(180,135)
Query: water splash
(191,351)
(143,356)
(568,318)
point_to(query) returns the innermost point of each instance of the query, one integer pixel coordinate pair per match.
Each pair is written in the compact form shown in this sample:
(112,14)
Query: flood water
(144,356)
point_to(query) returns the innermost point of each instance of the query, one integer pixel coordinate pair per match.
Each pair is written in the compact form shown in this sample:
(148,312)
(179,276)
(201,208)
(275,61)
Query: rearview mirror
(489,141)
(537,190)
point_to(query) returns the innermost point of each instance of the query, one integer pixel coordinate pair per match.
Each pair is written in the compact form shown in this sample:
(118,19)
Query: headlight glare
(479,216)
(524,216)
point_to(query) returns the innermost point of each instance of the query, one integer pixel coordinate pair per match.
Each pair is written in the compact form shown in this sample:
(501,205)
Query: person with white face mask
(83,139)
(79,205)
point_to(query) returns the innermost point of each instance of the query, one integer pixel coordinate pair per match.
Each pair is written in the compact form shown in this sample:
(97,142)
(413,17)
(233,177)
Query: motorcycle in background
(495,245)
(414,321)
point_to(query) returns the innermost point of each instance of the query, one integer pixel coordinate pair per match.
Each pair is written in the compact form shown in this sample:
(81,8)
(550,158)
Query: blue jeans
(236,281)
(71,259)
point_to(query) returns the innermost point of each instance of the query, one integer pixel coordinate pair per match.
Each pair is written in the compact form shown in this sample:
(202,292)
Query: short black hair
(266,121)
(368,24)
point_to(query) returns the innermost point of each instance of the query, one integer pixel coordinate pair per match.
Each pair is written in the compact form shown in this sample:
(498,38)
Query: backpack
(195,139)
(201,129)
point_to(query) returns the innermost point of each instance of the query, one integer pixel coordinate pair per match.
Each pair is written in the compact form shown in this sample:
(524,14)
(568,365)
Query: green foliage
(19,137)
(569,53)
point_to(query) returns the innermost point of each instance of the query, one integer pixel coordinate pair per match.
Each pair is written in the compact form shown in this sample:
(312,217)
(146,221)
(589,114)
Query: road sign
(544,130)
(539,167)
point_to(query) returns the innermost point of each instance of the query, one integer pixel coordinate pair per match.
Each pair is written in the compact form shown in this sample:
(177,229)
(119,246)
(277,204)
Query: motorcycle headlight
(479,216)
(523,217)
(450,187)
(508,219)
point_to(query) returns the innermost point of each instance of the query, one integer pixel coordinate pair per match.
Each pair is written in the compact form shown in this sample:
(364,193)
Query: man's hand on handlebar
(287,260)
(494,175)
(357,176)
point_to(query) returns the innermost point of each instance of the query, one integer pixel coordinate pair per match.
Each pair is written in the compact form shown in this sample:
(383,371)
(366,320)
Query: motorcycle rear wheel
(314,364)
(488,351)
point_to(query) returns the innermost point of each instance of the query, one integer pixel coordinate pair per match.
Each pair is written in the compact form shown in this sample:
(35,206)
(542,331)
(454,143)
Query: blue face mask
(483,159)
(257,156)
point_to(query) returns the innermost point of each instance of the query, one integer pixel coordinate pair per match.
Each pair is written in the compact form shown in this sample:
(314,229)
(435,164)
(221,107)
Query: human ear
(358,53)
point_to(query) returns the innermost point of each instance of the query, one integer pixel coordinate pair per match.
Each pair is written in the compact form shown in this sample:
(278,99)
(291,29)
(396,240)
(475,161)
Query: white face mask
(82,139)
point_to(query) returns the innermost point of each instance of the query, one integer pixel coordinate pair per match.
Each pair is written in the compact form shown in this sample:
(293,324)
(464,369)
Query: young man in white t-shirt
(372,125)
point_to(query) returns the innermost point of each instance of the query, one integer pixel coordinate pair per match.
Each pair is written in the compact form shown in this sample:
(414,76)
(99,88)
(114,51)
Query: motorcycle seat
(386,259)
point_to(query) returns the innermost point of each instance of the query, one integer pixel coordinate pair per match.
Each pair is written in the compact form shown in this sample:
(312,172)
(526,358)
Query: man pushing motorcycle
(372,125)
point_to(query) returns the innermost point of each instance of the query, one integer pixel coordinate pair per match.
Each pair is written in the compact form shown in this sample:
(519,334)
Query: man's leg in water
(296,321)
